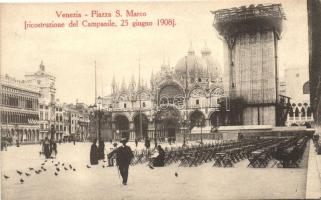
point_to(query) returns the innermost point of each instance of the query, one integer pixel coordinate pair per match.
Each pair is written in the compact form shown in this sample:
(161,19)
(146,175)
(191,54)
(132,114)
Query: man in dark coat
(159,160)
(124,155)
(94,153)
(147,143)
(46,148)
(101,149)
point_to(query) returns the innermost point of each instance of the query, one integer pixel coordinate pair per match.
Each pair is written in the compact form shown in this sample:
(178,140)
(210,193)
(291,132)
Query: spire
(123,85)
(41,66)
(191,49)
(152,79)
(113,85)
(205,50)
(132,84)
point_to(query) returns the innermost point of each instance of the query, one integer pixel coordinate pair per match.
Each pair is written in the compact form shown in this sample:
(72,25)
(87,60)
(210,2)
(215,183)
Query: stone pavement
(313,174)
(203,182)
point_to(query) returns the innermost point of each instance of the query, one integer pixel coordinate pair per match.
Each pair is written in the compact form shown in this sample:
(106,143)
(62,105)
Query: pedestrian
(159,158)
(94,153)
(101,149)
(74,141)
(124,155)
(147,143)
(136,142)
(46,148)
(54,147)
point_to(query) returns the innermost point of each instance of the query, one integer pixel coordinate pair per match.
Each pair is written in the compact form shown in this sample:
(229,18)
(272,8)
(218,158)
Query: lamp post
(97,115)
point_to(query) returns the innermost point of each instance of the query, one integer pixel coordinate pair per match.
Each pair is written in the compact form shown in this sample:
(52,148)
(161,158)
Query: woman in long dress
(94,153)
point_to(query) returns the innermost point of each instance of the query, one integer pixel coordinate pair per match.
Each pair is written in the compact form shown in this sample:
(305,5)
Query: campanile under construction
(250,36)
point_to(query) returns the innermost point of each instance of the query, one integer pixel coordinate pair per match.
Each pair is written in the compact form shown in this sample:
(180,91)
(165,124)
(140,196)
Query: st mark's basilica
(178,99)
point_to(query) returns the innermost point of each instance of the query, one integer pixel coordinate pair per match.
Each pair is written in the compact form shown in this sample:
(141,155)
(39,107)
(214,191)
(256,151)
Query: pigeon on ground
(103,166)
(63,164)
(37,172)
(56,165)
(43,164)
(56,174)
(58,169)
(74,169)
(30,168)
(6,177)
(88,166)
(150,166)
(21,181)
(66,168)
(176,174)
(27,174)
(19,172)
(70,166)
(44,169)
(46,160)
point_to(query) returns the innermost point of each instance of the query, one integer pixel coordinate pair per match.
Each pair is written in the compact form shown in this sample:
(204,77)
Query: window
(199,80)
(197,102)
(47,107)
(306,88)
(125,105)
(41,106)
(41,115)
(28,104)
(144,104)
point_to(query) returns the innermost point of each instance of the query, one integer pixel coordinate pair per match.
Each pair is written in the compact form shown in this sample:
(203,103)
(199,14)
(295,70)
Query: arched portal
(167,122)
(197,118)
(122,126)
(171,95)
(141,125)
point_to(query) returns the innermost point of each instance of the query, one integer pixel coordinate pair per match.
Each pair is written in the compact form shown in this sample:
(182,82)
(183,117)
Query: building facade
(298,89)
(175,101)
(19,111)
(314,20)
(47,108)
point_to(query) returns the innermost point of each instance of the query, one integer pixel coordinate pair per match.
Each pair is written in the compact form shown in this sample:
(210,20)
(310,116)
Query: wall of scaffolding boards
(252,70)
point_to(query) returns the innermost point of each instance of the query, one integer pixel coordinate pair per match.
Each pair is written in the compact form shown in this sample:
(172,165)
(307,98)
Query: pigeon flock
(23,175)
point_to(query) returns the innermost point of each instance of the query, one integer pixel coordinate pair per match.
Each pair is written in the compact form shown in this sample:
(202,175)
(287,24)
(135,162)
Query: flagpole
(96,114)
(140,101)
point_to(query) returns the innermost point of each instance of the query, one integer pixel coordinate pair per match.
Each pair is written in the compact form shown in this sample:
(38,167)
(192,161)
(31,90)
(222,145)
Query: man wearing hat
(124,155)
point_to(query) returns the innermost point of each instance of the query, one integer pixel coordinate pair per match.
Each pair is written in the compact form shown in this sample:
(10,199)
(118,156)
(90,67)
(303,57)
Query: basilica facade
(176,101)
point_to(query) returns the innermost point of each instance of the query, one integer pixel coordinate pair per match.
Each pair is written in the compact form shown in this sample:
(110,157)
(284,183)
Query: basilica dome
(198,66)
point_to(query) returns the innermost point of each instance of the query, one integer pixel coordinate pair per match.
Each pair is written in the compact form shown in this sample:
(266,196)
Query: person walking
(136,142)
(124,155)
(46,147)
(94,153)
(101,149)
(54,147)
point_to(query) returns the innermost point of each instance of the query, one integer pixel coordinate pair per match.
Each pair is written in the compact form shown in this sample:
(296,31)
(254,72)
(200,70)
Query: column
(132,134)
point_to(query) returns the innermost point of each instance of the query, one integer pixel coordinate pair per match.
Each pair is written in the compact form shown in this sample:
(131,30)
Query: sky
(70,53)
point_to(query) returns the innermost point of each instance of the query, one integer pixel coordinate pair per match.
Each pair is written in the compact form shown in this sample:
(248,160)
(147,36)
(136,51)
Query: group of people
(49,147)
(97,153)
(123,156)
